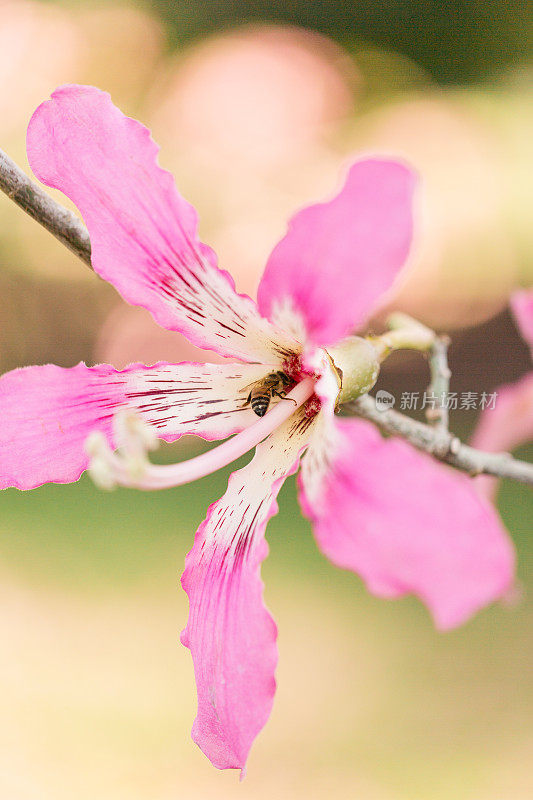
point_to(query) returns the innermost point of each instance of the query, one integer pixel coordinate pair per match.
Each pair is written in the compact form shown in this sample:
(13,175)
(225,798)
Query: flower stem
(440,383)
(405,333)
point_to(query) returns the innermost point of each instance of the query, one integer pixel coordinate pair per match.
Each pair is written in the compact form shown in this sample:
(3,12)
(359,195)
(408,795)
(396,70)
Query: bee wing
(250,385)
(268,382)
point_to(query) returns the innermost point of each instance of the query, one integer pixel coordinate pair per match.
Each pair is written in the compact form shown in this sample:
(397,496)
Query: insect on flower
(263,390)
(404,523)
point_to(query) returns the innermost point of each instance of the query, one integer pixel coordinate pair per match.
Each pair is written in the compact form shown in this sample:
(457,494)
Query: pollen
(293,368)
(312,407)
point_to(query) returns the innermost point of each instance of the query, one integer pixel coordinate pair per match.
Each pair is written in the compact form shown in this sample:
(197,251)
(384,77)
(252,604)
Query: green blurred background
(258,107)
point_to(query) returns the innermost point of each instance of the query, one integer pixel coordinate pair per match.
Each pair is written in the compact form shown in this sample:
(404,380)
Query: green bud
(356,361)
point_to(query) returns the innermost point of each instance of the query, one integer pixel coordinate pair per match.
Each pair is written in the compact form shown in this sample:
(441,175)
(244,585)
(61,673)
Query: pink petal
(48,412)
(408,525)
(338,258)
(231,636)
(522,306)
(143,233)
(506,426)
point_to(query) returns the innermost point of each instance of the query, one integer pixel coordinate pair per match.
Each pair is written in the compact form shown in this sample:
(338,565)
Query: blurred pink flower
(88,42)
(510,423)
(464,263)
(43,45)
(403,522)
(247,118)
(257,96)
(522,306)
(29,67)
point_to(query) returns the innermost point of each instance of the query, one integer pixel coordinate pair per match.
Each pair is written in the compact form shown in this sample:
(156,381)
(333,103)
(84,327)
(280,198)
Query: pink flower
(404,523)
(510,422)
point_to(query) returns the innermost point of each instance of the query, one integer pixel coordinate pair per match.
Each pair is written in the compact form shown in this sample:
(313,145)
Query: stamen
(129,466)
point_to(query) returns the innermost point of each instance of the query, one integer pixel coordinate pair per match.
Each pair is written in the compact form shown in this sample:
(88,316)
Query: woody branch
(434,438)
(443,445)
(59,221)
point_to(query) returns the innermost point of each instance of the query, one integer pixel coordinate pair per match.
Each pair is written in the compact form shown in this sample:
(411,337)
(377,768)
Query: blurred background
(259,107)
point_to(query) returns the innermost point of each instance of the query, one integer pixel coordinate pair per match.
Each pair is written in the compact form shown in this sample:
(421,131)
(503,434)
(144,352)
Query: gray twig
(442,444)
(437,414)
(57,219)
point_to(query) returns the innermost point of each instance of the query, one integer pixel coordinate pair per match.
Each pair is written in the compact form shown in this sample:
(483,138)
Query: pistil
(130,465)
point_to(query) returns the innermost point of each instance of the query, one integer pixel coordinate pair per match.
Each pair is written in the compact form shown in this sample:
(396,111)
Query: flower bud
(357,363)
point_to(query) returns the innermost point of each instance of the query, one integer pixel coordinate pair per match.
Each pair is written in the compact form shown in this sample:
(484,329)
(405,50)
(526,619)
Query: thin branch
(442,444)
(437,415)
(62,223)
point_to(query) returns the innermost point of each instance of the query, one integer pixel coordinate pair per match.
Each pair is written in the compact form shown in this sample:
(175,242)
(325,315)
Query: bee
(262,391)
